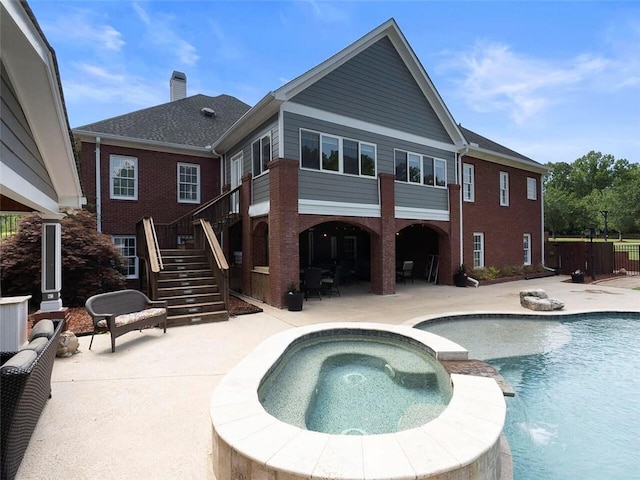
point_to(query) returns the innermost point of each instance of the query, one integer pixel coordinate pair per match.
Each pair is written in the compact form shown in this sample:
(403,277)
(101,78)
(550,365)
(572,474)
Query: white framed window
(504,189)
(127,247)
(478,250)
(468,182)
(532,189)
(261,155)
(415,168)
(188,183)
(526,246)
(123,181)
(330,153)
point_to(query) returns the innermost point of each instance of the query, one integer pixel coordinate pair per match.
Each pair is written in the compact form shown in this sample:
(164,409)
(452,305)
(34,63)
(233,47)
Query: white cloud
(103,88)
(79,26)
(327,11)
(495,78)
(160,32)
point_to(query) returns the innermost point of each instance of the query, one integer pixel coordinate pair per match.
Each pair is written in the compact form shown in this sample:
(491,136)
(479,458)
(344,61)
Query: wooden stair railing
(148,251)
(221,212)
(206,239)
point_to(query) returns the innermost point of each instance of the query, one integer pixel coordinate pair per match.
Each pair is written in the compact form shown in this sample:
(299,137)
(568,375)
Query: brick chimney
(178,85)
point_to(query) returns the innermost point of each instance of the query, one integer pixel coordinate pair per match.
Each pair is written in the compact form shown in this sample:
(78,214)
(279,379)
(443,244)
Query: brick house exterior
(414,204)
(160,153)
(358,162)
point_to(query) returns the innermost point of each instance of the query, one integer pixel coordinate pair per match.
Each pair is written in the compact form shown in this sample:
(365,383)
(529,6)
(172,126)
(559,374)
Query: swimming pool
(464,442)
(576,412)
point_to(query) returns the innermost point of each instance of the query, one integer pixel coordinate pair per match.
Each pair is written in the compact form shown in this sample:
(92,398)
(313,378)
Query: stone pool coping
(250,443)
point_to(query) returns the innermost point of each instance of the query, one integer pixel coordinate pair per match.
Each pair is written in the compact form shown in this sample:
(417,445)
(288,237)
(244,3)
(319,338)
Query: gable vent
(208,112)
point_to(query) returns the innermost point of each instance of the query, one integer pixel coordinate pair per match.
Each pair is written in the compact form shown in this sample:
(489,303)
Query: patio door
(236,180)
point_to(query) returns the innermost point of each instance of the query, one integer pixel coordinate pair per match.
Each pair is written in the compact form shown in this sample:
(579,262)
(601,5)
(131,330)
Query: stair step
(185,266)
(179,252)
(186,282)
(194,308)
(180,290)
(192,274)
(169,260)
(189,300)
(190,319)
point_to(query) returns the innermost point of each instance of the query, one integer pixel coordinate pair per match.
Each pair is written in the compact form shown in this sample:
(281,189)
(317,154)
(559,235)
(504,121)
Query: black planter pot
(294,301)
(577,277)
(460,280)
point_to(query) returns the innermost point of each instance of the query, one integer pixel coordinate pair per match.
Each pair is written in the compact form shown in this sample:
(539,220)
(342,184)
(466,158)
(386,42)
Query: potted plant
(294,298)
(577,276)
(460,276)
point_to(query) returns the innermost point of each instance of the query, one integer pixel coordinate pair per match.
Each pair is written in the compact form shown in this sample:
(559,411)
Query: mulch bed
(79,321)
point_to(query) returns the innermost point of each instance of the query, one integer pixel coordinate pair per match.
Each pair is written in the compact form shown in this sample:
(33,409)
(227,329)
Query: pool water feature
(575,413)
(355,385)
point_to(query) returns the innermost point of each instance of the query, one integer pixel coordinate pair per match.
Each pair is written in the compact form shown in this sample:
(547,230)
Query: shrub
(485,273)
(90,262)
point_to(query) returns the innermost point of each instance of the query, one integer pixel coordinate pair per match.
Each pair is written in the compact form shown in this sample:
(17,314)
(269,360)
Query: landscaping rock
(537,299)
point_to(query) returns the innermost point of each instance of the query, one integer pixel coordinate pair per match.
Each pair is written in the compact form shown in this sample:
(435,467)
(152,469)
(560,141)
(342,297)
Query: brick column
(247,230)
(284,253)
(383,247)
(455,220)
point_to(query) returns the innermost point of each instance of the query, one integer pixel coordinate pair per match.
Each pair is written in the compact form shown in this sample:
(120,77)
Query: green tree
(90,262)
(576,194)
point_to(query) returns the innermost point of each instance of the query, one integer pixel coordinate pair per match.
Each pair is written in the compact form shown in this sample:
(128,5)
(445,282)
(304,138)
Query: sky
(551,80)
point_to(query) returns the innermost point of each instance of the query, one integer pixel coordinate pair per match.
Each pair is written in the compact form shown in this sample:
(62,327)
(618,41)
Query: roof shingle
(179,122)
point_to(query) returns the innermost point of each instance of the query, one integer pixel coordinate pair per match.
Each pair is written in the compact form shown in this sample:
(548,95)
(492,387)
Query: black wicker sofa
(25,386)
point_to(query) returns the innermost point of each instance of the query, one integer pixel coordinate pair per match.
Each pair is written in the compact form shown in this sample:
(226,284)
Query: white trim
(17,188)
(322,207)
(198,183)
(422,214)
(258,140)
(472,193)
(342,120)
(259,209)
(532,194)
(136,273)
(280,134)
(528,250)
(111,178)
(482,250)
(504,187)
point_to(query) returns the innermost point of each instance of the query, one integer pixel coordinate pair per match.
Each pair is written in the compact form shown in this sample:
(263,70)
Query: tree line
(583,193)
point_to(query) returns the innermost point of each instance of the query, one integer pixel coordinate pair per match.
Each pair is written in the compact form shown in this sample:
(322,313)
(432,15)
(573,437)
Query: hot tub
(250,443)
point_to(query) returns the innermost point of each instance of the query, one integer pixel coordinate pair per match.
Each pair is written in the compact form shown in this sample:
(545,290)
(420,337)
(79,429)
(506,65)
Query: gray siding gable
(377,87)
(18,148)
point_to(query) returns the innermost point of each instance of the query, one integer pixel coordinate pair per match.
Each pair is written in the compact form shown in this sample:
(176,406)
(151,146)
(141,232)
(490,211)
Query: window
(328,153)
(526,245)
(504,189)
(261,154)
(478,250)
(124,177)
(127,247)
(532,189)
(188,183)
(468,187)
(416,168)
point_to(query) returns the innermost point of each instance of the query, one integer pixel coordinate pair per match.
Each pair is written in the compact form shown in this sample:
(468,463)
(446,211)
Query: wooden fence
(567,257)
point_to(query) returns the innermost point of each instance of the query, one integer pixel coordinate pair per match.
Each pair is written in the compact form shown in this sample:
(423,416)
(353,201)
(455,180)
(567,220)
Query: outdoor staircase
(190,289)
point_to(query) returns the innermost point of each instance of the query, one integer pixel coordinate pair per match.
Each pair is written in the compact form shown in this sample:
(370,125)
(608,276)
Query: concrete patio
(143,411)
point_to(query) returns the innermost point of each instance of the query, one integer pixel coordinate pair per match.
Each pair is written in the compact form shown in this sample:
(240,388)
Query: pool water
(359,395)
(343,386)
(576,413)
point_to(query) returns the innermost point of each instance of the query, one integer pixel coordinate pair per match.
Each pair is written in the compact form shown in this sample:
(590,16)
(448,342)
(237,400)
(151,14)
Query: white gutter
(459,175)
(98,190)
(140,141)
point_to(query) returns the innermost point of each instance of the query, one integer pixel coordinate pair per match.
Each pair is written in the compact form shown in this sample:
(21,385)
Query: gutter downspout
(460,182)
(98,189)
